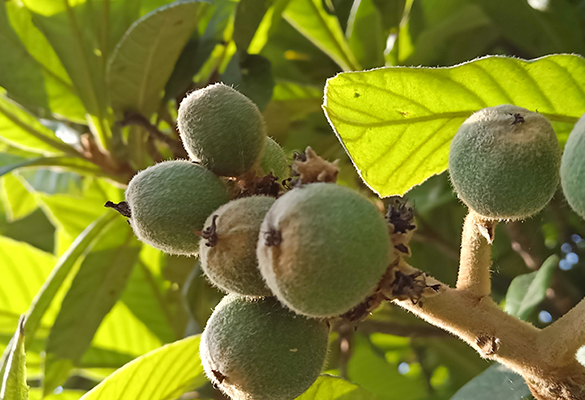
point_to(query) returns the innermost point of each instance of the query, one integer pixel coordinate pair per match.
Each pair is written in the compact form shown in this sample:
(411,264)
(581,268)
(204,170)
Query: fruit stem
(475,259)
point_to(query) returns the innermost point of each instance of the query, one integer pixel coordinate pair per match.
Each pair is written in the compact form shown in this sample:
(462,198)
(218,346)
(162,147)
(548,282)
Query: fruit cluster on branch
(295,251)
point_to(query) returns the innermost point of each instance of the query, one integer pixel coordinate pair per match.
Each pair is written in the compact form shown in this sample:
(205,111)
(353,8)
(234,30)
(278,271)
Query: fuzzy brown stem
(475,259)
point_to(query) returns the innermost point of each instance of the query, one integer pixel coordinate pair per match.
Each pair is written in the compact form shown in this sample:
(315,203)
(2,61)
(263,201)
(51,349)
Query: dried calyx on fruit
(573,168)
(504,162)
(228,250)
(169,202)
(323,249)
(259,350)
(222,129)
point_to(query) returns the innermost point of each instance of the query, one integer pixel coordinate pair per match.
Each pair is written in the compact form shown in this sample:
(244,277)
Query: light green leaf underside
(496,382)
(145,57)
(397,123)
(162,374)
(528,290)
(310,18)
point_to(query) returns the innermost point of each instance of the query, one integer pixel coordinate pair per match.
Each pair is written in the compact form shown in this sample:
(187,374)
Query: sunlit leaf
(310,18)
(162,374)
(13,384)
(397,123)
(528,290)
(19,200)
(145,57)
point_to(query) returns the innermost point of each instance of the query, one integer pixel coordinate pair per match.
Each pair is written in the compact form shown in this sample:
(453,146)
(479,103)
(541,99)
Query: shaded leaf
(310,18)
(70,163)
(162,374)
(528,290)
(13,384)
(34,229)
(98,284)
(53,283)
(365,34)
(328,387)
(251,75)
(249,15)
(145,57)
(268,25)
(496,382)
(397,123)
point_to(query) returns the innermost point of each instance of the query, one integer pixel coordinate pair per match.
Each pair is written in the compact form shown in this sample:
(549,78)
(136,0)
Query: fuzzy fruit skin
(222,129)
(274,160)
(231,264)
(332,248)
(573,168)
(504,162)
(170,201)
(263,350)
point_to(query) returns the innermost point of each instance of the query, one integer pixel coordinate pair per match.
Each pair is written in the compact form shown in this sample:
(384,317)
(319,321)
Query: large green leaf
(267,26)
(496,382)
(333,388)
(249,15)
(22,129)
(70,163)
(366,36)
(162,374)
(97,286)
(18,200)
(13,384)
(29,70)
(77,31)
(145,57)
(310,18)
(53,283)
(397,123)
(528,290)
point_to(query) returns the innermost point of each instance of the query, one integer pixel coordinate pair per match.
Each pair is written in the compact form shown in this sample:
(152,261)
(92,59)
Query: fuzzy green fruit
(504,162)
(228,257)
(274,160)
(259,350)
(222,129)
(169,203)
(573,168)
(323,249)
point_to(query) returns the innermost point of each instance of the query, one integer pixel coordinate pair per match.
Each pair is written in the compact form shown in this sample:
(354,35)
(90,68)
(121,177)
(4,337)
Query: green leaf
(249,15)
(251,75)
(162,374)
(34,229)
(19,200)
(365,33)
(53,283)
(69,163)
(268,25)
(496,382)
(33,79)
(310,18)
(328,387)
(397,123)
(72,31)
(374,373)
(36,394)
(528,290)
(13,378)
(145,57)
(97,286)
(21,129)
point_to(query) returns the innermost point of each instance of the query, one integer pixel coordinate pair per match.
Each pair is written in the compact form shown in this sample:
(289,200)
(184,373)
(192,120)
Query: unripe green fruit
(169,203)
(323,249)
(222,129)
(259,350)
(229,257)
(274,160)
(573,168)
(504,162)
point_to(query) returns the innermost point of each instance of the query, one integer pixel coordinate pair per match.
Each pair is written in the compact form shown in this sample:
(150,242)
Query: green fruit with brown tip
(228,256)
(222,129)
(504,162)
(169,203)
(274,160)
(259,350)
(323,249)
(573,168)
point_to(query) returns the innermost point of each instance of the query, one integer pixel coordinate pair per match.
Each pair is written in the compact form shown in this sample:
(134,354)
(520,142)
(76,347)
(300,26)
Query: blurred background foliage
(89,91)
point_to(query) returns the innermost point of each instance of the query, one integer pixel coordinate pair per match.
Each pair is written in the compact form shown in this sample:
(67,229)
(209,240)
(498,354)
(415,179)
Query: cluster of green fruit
(288,262)
(504,163)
